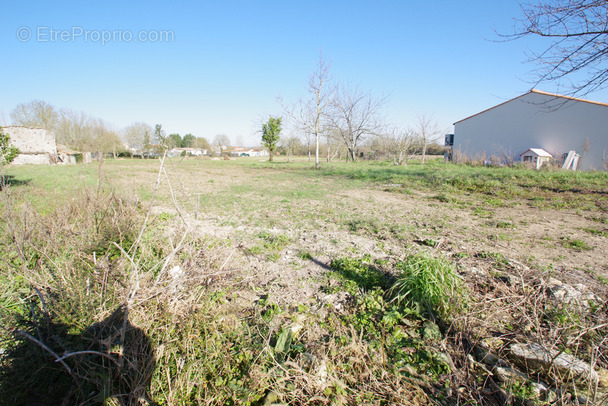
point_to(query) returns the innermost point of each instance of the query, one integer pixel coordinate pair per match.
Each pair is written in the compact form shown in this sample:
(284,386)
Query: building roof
(539,152)
(185,149)
(537,92)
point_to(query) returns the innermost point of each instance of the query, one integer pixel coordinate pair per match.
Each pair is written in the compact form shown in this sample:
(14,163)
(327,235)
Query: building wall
(33,159)
(536,120)
(36,146)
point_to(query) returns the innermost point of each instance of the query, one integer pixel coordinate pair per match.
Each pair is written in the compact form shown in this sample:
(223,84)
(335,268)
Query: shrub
(8,153)
(430,284)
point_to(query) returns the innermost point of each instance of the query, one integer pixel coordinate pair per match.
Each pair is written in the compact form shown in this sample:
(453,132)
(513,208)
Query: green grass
(575,244)
(429,284)
(550,189)
(214,350)
(46,187)
(298,181)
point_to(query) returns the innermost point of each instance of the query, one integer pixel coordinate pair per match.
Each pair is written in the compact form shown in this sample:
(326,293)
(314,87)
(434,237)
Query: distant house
(538,120)
(245,151)
(258,152)
(36,145)
(536,156)
(186,152)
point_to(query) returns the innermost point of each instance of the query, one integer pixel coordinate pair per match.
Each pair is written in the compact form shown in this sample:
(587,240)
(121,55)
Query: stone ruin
(36,145)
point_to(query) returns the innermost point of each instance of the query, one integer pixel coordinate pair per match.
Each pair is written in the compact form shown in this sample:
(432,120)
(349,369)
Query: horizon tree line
(84,133)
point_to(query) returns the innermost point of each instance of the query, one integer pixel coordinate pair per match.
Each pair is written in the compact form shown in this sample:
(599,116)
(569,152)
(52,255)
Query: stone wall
(36,146)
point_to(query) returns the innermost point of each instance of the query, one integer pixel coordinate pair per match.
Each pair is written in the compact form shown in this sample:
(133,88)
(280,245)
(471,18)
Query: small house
(536,156)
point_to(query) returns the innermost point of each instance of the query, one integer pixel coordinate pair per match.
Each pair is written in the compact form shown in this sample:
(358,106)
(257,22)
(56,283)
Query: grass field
(250,282)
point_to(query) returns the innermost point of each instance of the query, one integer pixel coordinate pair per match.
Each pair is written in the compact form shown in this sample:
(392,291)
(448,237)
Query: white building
(256,152)
(536,156)
(186,152)
(556,124)
(246,151)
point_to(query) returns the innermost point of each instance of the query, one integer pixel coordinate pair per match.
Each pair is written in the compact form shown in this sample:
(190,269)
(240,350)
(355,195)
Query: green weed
(576,245)
(447,198)
(430,284)
(396,331)
(271,244)
(369,226)
(562,316)
(304,255)
(595,231)
(600,219)
(499,260)
(275,242)
(363,274)
(429,242)
(504,224)
(483,212)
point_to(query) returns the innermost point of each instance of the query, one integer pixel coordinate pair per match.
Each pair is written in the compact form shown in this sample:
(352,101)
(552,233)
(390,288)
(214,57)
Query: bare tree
(36,113)
(222,142)
(75,130)
(289,144)
(577,55)
(400,143)
(427,131)
(310,114)
(355,116)
(135,135)
(108,142)
(332,140)
(308,138)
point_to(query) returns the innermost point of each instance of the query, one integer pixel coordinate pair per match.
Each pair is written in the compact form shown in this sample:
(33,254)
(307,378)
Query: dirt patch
(368,220)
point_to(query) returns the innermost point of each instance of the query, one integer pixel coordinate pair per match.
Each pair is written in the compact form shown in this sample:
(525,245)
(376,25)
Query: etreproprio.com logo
(80,34)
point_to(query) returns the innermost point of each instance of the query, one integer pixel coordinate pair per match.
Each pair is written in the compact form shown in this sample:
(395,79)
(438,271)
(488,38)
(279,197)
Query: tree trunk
(423,151)
(317,165)
(351,154)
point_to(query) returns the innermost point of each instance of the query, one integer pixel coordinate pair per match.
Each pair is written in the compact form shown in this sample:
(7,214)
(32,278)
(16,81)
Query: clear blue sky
(225,62)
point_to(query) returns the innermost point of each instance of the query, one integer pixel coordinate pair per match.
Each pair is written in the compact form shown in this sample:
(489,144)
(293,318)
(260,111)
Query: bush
(8,153)
(429,284)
